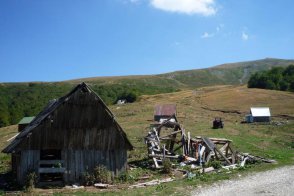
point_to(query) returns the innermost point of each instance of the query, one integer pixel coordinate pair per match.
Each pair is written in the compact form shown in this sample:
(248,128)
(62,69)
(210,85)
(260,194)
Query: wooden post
(163,151)
(227,160)
(188,150)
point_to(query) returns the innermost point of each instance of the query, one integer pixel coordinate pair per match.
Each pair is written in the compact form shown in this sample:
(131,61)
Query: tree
(278,78)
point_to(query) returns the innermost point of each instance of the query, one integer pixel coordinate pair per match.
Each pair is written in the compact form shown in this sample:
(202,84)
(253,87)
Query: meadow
(196,109)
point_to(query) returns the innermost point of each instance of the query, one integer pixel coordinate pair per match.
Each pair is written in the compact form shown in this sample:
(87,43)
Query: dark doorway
(51,154)
(51,167)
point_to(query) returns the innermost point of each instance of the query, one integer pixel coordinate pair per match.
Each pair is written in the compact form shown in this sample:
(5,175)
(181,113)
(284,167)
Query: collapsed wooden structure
(169,140)
(71,136)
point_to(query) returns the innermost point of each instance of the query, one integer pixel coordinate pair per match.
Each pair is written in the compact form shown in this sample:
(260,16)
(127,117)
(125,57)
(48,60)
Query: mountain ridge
(27,99)
(269,62)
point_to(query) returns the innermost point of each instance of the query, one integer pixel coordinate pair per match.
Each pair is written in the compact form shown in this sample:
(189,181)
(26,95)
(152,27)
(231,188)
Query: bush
(88,179)
(101,174)
(125,177)
(31,180)
(167,166)
(215,164)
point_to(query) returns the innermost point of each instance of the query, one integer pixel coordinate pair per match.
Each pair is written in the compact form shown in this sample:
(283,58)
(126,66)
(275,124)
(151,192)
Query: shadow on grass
(144,163)
(8,182)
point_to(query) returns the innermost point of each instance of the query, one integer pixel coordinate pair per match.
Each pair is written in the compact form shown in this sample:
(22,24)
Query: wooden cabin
(71,136)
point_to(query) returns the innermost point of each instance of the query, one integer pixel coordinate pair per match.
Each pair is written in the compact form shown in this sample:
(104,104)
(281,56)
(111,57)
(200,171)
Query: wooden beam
(173,133)
(166,156)
(224,148)
(51,162)
(233,155)
(177,148)
(220,139)
(51,170)
(227,160)
(188,142)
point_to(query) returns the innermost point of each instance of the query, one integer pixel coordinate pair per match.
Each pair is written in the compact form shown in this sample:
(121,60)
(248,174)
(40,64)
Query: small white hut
(259,114)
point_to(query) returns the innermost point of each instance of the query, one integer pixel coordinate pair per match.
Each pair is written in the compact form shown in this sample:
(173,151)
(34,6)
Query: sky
(55,40)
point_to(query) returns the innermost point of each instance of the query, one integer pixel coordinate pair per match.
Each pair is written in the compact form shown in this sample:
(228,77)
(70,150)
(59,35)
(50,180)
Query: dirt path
(275,182)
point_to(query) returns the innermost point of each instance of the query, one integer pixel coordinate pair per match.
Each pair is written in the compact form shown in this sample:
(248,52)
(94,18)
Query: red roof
(165,110)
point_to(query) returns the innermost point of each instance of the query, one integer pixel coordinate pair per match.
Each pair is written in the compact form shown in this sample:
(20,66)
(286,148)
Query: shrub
(102,174)
(31,180)
(167,166)
(125,177)
(215,164)
(88,179)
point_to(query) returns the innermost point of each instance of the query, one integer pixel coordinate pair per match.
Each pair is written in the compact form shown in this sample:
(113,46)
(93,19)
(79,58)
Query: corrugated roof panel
(260,111)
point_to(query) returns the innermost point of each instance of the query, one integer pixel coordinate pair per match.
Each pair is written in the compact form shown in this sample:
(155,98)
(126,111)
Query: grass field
(196,110)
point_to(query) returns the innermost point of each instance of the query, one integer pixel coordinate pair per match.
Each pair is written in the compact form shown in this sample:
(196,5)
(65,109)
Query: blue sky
(54,40)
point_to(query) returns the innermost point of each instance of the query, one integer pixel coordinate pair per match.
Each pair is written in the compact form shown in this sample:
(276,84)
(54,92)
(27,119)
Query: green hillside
(232,73)
(27,99)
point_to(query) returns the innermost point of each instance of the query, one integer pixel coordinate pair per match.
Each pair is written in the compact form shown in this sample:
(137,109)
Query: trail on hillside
(275,182)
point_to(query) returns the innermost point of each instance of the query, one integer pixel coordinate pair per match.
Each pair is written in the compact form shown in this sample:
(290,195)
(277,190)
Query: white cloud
(245,36)
(202,7)
(207,35)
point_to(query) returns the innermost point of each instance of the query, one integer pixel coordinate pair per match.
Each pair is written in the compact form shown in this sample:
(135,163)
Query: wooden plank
(162,156)
(154,159)
(224,148)
(227,160)
(209,143)
(171,134)
(52,183)
(173,139)
(51,170)
(220,139)
(189,137)
(64,157)
(233,155)
(209,156)
(51,161)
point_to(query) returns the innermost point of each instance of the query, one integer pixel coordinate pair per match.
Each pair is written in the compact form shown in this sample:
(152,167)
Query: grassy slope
(231,73)
(5,134)
(265,140)
(134,118)
(26,99)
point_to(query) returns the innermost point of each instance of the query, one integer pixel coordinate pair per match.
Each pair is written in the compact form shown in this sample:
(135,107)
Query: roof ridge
(52,106)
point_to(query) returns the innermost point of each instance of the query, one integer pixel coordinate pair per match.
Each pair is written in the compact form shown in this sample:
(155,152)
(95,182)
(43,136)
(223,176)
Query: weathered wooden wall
(80,123)
(28,162)
(85,133)
(79,161)
(76,163)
